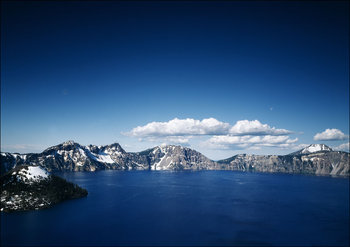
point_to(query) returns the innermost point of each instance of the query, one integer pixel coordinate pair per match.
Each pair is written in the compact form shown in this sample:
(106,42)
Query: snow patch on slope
(102,157)
(161,148)
(166,160)
(32,174)
(157,166)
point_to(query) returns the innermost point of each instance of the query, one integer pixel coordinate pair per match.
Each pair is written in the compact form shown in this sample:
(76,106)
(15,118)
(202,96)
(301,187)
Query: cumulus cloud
(246,127)
(343,147)
(330,135)
(208,126)
(181,127)
(251,142)
(244,134)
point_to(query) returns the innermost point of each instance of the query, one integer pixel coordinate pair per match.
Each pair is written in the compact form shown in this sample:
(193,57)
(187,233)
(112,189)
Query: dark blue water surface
(190,208)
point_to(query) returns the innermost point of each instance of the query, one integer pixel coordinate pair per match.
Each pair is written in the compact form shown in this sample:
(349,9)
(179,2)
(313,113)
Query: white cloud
(246,127)
(208,126)
(180,127)
(244,134)
(343,147)
(330,135)
(249,141)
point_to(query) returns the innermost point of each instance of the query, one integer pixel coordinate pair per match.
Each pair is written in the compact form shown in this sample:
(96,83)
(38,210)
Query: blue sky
(94,71)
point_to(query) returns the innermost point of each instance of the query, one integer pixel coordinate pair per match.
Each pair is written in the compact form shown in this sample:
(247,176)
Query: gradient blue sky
(90,71)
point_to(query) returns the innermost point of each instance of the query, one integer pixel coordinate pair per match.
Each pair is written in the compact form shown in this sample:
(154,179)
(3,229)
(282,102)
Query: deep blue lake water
(190,208)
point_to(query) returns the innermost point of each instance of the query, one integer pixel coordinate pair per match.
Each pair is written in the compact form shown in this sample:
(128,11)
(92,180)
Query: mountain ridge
(72,156)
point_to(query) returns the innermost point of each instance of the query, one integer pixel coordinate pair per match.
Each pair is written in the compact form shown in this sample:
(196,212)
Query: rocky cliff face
(170,157)
(71,156)
(32,187)
(315,159)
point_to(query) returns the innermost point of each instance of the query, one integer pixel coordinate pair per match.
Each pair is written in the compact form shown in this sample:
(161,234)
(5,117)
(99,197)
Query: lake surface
(190,208)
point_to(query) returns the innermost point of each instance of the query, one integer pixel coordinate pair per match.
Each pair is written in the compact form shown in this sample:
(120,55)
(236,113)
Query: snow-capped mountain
(32,187)
(75,155)
(313,148)
(71,156)
(171,157)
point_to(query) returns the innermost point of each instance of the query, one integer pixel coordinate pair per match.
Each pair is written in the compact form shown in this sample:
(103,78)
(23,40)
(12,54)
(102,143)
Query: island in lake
(32,187)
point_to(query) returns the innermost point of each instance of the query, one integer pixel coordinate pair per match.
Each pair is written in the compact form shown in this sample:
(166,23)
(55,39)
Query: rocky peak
(69,145)
(65,146)
(172,157)
(113,149)
(69,142)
